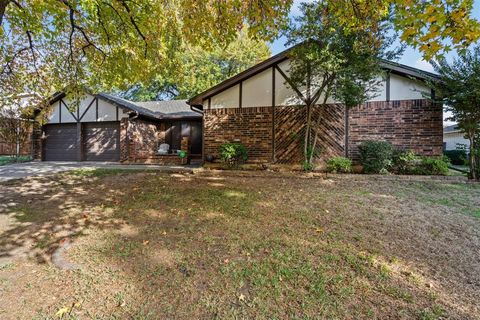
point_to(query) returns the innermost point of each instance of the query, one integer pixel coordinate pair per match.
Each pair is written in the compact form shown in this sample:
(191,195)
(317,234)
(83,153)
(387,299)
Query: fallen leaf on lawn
(62,311)
(145,242)
(226,261)
(319,230)
(327,211)
(241,297)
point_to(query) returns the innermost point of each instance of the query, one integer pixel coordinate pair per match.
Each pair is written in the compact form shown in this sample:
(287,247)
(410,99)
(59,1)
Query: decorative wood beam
(387,87)
(240,89)
(88,107)
(273,114)
(289,81)
(73,115)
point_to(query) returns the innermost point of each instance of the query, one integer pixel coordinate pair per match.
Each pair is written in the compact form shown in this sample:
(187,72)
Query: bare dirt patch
(239,245)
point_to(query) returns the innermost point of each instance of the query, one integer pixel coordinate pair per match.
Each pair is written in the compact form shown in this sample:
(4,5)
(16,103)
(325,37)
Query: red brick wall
(408,124)
(142,139)
(250,126)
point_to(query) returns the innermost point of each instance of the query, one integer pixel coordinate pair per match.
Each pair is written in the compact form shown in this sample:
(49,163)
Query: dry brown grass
(229,245)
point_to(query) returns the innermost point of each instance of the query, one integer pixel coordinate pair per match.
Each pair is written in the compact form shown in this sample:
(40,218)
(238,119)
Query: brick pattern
(124,123)
(328,123)
(289,132)
(143,140)
(415,125)
(250,126)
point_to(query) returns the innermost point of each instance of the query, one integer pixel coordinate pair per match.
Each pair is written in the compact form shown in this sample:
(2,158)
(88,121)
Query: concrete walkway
(35,169)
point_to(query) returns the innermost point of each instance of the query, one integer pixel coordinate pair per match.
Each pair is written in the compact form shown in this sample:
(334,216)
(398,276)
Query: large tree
(331,62)
(50,45)
(459,91)
(200,69)
(434,27)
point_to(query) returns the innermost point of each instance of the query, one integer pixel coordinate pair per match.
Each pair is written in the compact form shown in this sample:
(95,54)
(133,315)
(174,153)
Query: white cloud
(423,65)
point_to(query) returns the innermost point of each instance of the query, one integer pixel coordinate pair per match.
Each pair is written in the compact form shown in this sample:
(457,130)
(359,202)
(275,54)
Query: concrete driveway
(34,169)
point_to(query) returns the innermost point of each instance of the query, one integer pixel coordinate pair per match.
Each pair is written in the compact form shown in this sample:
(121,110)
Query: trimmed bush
(457,157)
(339,165)
(233,154)
(404,162)
(376,156)
(433,166)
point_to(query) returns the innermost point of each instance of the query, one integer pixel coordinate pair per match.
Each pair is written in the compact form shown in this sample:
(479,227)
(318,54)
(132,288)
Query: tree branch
(80,29)
(3,7)
(134,23)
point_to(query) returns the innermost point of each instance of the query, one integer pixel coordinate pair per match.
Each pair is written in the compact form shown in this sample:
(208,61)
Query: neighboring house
(15,130)
(256,108)
(454,138)
(103,127)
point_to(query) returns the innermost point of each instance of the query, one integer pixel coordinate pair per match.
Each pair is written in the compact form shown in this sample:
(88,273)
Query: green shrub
(376,156)
(432,166)
(339,164)
(404,162)
(457,157)
(233,154)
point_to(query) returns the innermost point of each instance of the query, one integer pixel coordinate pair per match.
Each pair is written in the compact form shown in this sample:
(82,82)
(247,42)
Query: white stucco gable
(89,109)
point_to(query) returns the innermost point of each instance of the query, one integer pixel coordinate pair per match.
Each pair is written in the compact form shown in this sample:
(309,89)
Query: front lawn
(239,245)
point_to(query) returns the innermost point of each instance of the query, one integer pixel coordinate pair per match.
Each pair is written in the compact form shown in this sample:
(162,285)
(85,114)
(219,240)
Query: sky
(411,57)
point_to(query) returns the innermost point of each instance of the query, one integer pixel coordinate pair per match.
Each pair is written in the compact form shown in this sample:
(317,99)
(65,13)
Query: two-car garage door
(99,141)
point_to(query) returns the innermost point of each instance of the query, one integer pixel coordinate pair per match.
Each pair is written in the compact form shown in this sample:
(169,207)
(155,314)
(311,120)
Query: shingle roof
(173,109)
(452,128)
(128,104)
(170,109)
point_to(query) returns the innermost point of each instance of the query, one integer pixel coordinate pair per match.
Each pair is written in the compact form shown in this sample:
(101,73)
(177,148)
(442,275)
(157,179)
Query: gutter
(195,109)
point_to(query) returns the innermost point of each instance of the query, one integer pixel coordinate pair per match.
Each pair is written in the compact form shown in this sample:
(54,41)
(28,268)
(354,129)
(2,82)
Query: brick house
(257,108)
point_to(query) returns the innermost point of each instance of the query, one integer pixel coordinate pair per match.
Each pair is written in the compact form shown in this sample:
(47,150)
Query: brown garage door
(61,142)
(101,141)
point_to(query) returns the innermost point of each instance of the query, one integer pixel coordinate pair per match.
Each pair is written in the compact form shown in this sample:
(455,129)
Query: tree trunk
(472,157)
(308,127)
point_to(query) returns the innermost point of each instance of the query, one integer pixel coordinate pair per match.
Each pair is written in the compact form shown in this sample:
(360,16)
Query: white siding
(452,139)
(66,114)
(54,117)
(90,114)
(106,111)
(380,93)
(284,94)
(402,88)
(227,99)
(257,90)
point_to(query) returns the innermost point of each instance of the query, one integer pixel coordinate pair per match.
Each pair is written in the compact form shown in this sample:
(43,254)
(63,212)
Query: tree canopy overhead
(50,44)
(200,69)
(434,27)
